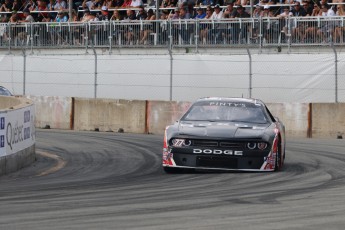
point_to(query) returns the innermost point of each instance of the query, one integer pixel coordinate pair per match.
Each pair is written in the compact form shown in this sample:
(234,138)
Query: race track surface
(90,180)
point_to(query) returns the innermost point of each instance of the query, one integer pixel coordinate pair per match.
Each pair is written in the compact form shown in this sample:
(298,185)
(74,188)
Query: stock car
(225,134)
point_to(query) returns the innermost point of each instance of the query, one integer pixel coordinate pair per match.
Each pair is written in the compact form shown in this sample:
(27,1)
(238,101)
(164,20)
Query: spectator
(28,16)
(175,15)
(339,30)
(219,28)
(229,10)
(109,4)
(310,33)
(6,6)
(327,28)
(298,11)
(142,15)
(148,27)
(200,14)
(269,28)
(104,15)
(41,6)
(298,31)
(217,14)
(74,17)
(130,32)
(238,33)
(127,3)
(241,2)
(14,17)
(284,20)
(205,2)
(168,3)
(205,27)
(163,38)
(117,3)
(88,17)
(136,3)
(184,13)
(255,28)
(16,5)
(116,16)
(257,11)
(308,8)
(60,5)
(92,4)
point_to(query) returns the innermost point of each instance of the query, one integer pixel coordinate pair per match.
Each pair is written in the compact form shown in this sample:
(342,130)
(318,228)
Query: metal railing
(255,32)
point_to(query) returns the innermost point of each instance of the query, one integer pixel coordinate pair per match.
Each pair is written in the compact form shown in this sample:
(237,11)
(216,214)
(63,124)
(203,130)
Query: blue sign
(2,141)
(2,123)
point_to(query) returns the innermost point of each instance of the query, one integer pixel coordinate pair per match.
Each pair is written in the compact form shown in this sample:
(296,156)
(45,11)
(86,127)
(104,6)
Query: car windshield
(5,92)
(232,112)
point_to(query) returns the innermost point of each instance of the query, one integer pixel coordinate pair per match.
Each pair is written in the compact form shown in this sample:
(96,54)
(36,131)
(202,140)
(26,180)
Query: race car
(225,134)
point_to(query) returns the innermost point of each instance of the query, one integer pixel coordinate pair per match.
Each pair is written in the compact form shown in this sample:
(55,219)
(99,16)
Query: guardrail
(241,32)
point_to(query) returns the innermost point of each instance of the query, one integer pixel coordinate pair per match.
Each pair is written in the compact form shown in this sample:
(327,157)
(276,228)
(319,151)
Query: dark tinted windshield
(226,111)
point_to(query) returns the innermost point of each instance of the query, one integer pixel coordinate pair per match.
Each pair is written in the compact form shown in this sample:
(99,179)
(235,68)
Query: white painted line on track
(59,165)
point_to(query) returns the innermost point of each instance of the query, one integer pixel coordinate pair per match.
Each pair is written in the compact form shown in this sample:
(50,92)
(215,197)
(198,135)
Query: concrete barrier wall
(110,115)
(9,102)
(55,112)
(17,134)
(293,115)
(328,119)
(14,162)
(162,113)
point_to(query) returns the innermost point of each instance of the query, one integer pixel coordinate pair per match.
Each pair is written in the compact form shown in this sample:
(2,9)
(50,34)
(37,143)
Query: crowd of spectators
(16,11)
(86,10)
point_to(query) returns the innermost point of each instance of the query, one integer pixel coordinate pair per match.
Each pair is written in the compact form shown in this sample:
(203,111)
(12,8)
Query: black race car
(225,134)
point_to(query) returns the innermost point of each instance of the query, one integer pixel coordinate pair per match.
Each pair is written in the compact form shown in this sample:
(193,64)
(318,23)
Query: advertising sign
(19,129)
(2,134)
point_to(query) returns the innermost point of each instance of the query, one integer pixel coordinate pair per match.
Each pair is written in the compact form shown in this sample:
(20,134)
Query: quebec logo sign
(2,127)
(2,141)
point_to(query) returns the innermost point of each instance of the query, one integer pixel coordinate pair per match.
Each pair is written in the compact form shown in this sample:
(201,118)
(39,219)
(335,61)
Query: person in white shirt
(136,3)
(217,14)
(218,31)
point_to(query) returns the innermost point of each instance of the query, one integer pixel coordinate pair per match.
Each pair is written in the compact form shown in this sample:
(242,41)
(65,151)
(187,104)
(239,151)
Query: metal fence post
(171,72)
(250,73)
(94,52)
(335,72)
(24,69)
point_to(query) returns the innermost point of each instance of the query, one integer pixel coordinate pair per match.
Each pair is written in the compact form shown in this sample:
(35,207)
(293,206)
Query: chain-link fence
(288,75)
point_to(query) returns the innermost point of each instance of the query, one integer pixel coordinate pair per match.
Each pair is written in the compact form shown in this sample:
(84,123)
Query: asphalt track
(90,180)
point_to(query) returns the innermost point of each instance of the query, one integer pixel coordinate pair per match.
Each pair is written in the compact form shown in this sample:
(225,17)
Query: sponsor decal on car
(218,151)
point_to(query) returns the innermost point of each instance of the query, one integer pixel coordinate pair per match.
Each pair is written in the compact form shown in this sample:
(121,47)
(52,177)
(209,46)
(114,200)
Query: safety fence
(252,32)
(156,74)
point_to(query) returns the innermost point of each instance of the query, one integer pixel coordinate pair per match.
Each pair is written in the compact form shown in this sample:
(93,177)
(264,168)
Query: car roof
(231,99)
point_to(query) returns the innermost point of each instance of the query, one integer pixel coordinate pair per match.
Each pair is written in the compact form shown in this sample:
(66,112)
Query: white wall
(278,77)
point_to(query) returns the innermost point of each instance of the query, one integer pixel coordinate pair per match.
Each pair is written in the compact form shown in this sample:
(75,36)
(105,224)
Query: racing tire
(278,163)
(172,170)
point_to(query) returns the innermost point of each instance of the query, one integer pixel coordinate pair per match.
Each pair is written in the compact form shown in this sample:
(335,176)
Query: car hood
(222,129)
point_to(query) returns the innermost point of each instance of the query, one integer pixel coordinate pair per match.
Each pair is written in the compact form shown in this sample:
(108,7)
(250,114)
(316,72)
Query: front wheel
(172,170)
(278,162)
